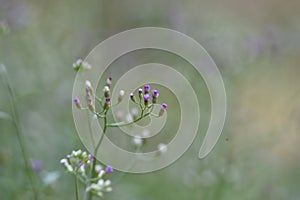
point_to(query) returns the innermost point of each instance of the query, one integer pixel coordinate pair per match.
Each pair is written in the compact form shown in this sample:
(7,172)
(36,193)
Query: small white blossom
(138,141)
(86,66)
(88,84)
(162,148)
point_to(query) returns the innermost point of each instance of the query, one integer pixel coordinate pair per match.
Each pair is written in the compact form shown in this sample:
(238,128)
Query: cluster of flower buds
(77,161)
(145,96)
(81,64)
(76,164)
(102,186)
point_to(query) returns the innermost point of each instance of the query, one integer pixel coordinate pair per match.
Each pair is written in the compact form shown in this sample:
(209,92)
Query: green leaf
(5,116)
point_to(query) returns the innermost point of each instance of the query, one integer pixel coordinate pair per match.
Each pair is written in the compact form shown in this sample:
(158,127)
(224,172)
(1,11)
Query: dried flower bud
(77,103)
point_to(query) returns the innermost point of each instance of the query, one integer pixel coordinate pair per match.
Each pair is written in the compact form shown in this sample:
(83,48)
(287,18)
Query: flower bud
(106,91)
(146,89)
(146,99)
(162,110)
(138,141)
(77,65)
(132,97)
(140,93)
(108,81)
(155,95)
(86,66)
(77,103)
(121,95)
(107,103)
(109,169)
(90,104)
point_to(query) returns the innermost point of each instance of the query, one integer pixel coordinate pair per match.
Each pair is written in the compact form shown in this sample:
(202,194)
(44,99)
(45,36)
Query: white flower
(121,95)
(138,141)
(88,84)
(162,148)
(106,89)
(85,65)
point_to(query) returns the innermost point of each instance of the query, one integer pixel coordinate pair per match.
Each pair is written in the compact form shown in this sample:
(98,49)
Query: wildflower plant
(85,167)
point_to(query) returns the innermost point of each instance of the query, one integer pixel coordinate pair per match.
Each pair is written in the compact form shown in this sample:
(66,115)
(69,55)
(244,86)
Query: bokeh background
(256,46)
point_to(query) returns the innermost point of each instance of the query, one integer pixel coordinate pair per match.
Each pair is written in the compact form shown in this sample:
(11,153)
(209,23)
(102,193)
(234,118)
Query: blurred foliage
(255,45)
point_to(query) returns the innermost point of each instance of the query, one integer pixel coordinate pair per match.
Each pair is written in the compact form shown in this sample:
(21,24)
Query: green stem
(76,187)
(93,173)
(19,130)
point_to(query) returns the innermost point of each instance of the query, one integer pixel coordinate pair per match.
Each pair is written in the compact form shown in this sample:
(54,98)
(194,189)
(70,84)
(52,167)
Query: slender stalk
(76,187)
(19,133)
(93,173)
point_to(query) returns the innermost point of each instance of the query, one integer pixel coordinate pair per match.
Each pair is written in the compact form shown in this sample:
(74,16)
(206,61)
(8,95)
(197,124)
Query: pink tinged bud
(77,102)
(90,104)
(88,91)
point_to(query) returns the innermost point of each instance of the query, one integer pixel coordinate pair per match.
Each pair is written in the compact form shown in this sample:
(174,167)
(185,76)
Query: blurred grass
(254,44)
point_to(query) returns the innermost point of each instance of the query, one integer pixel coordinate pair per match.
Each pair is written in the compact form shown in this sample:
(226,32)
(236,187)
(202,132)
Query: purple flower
(146,88)
(91,158)
(146,97)
(77,102)
(155,93)
(109,169)
(164,106)
(140,91)
(90,101)
(36,165)
(107,100)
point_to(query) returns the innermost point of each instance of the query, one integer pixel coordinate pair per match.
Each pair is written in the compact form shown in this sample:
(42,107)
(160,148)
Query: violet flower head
(90,101)
(146,97)
(164,106)
(77,102)
(109,169)
(155,93)
(146,89)
(36,165)
(91,158)
(107,100)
